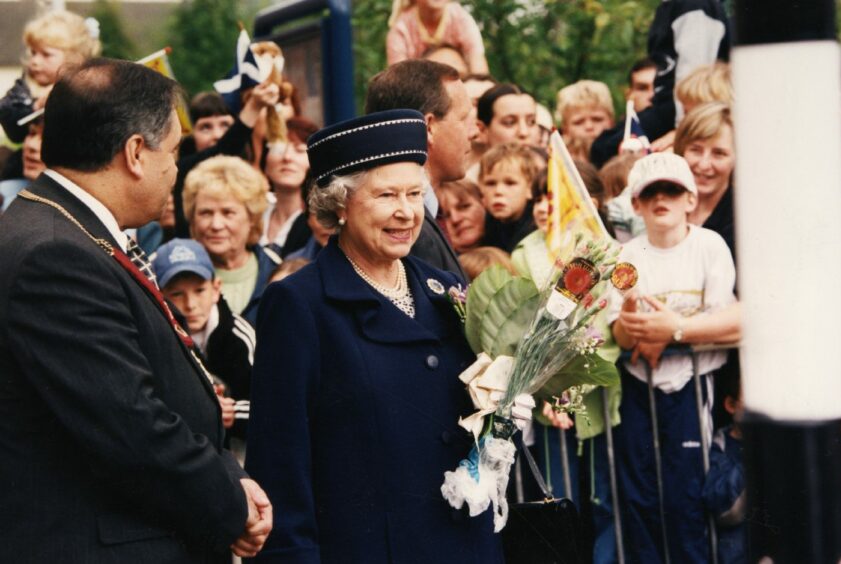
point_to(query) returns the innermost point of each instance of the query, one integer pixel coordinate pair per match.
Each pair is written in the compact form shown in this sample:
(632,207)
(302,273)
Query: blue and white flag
(245,74)
(635,140)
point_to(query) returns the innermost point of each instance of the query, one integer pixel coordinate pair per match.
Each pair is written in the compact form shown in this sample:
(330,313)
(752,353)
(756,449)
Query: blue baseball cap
(181,255)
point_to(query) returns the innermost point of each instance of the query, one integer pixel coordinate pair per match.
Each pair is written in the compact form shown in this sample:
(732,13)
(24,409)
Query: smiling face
(464,217)
(287,164)
(222,225)
(514,121)
(383,216)
(194,297)
(505,191)
(664,206)
(712,162)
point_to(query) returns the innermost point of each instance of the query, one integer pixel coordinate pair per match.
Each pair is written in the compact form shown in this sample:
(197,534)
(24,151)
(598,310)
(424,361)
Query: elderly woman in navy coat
(355,395)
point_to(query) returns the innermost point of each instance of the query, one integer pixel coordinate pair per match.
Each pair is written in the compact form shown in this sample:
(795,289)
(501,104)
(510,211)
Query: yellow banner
(571,211)
(159,62)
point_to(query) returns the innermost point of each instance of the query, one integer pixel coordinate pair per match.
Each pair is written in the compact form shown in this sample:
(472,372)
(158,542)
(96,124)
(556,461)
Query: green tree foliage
(203,35)
(539,45)
(115,42)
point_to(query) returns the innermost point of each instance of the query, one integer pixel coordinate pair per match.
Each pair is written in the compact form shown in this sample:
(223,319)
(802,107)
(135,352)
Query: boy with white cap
(685,273)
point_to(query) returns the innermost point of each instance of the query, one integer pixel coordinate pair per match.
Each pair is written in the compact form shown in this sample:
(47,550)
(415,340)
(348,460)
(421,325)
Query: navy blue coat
(354,418)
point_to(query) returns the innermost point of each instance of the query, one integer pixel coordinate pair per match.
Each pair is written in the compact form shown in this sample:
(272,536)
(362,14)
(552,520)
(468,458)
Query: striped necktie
(138,257)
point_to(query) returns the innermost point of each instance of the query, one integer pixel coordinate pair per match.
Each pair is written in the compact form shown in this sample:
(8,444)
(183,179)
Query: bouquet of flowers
(526,339)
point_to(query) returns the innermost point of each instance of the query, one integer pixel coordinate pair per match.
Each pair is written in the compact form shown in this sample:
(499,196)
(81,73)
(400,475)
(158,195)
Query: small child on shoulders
(226,340)
(52,40)
(506,173)
(686,279)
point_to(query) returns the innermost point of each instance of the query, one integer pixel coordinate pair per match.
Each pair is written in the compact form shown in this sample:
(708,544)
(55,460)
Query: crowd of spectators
(239,218)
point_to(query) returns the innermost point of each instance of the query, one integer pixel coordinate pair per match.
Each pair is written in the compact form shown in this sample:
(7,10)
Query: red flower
(588,300)
(579,277)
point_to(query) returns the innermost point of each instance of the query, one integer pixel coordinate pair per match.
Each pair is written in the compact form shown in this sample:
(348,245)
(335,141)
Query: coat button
(432,362)
(446,437)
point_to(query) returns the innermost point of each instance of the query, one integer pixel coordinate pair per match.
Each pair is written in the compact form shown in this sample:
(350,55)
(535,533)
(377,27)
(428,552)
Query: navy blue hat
(181,255)
(366,142)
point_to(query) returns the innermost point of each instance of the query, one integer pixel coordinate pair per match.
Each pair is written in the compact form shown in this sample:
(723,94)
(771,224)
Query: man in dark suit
(110,433)
(435,90)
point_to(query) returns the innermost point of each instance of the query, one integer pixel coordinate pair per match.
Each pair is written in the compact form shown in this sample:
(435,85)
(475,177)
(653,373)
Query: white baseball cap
(660,167)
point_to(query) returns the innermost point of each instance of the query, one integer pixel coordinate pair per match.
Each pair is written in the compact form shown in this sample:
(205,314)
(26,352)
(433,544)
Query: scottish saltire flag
(571,211)
(159,62)
(635,140)
(244,75)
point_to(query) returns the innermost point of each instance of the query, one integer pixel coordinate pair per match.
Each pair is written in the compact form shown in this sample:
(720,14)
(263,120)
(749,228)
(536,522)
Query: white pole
(787,81)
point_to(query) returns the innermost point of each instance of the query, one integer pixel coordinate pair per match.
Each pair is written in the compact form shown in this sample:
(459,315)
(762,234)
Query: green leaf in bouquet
(479,295)
(509,314)
(582,369)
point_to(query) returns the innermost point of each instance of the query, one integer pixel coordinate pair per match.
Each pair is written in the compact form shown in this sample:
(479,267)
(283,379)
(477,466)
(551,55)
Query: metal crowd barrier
(614,489)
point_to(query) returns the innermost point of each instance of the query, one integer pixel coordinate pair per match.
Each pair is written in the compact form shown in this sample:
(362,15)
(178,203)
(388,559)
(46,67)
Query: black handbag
(542,532)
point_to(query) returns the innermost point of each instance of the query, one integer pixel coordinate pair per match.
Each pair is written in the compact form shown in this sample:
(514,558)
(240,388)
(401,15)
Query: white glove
(521,410)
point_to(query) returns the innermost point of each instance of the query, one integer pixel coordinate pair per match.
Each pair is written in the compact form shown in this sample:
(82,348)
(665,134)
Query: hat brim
(196,269)
(639,188)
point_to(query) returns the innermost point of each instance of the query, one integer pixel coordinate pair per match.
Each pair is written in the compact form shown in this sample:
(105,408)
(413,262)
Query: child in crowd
(476,261)
(52,40)
(706,84)
(724,488)
(464,214)
(506,173)
(211,119)
(417,25)
(620,211)
(584,110)
(226,340)
(686,274)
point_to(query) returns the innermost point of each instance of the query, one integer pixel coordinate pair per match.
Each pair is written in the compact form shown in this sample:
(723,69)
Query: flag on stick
(571,211)
(635,140)
(159,62)
(244,75)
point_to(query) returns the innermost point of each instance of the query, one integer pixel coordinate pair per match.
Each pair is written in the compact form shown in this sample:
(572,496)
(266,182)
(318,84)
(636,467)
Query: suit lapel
(378,318)
(48,188)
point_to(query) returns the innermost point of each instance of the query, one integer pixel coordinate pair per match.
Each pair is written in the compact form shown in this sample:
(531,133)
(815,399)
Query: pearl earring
(342,221)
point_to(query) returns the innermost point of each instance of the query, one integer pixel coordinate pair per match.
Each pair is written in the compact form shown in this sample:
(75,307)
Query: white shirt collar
(99,210)
(202,337)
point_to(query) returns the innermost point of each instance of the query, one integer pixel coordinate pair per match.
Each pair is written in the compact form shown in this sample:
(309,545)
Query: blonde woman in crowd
(224,201)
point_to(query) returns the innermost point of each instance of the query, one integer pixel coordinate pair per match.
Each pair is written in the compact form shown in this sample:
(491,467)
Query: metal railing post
(705,450)
(658,462)
(614,488)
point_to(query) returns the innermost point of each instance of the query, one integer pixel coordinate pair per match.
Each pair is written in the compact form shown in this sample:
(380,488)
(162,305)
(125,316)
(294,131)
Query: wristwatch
(677,336)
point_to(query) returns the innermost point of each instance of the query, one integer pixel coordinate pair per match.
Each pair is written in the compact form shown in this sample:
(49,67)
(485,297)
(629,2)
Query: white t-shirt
(697,275)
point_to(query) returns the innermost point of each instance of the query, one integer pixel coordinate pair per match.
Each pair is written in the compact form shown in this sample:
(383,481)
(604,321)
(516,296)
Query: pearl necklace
(400,295)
